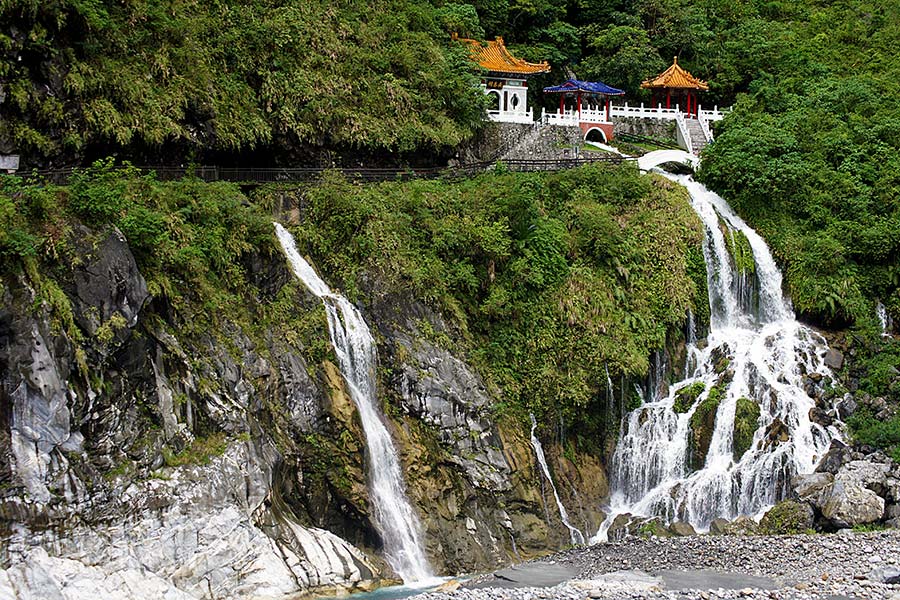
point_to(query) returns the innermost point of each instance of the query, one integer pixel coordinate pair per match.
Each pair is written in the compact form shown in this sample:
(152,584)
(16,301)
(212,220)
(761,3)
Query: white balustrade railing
(512,116)
(658,112)
(704,125)
(683,130)
(573,117)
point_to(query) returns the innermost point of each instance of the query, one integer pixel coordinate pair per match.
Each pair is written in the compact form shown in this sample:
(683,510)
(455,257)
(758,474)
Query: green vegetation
(746,420)
(686,396)
(549,277)
(200,452)
(703,423)
(193,77)
(876,366)
(740,251)
(810,156)
(188,237)
(883,434)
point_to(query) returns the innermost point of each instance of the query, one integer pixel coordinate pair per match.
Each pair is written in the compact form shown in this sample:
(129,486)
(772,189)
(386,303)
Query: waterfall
(355,348)
(885,319)
(574,534)
(732,448)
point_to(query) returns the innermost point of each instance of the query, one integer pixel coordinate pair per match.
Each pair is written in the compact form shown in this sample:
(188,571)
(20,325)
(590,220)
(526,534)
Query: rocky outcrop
(474,476)
(187,455)
(192,532)
(851,488)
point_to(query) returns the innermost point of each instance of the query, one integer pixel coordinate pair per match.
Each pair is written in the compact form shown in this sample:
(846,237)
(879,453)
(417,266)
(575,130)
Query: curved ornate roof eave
(495,57)
(676,78)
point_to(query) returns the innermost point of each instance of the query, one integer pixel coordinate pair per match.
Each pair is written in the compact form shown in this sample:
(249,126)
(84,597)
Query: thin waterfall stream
(575,534)
(395,518)
(726,440)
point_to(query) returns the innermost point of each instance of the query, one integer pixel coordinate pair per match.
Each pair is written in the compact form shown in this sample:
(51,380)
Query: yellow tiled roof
(494,56)
(675,77)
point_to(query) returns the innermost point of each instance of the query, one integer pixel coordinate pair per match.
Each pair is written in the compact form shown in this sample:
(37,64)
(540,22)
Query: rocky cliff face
(147,452)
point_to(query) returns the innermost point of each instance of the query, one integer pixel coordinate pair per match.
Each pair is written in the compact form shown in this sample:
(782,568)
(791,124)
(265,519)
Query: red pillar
(688,101)
(668,98)
(579,105)
(562,103)
(607,108)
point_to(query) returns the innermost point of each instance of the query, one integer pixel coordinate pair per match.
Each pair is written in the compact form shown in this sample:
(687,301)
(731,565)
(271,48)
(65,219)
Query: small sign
(494,84)
(9,162)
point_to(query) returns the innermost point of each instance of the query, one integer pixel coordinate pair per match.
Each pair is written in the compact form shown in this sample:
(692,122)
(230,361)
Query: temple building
(585,104)
(676,87)
(505,79)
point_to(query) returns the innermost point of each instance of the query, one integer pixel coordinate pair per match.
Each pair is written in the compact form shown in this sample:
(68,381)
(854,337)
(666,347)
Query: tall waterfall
(574,533)
(355,348)
(752,366)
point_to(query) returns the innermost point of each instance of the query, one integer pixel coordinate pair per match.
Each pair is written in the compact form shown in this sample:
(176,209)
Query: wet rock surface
(146,455)
(847,564)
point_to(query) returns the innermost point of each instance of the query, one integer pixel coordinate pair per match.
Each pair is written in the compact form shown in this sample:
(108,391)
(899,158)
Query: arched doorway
(595,134)
(494,103)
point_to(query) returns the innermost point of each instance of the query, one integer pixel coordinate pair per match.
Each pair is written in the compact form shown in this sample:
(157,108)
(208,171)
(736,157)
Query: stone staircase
(698,138)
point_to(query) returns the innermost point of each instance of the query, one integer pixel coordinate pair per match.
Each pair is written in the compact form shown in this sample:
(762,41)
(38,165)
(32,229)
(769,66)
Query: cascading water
(355,348)
(574,533)
(686,456)
(885,319)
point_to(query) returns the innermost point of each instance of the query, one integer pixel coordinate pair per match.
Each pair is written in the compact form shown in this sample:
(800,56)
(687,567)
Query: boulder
(834,458)
(620,527)
(741,526)
(892,511)
(868,474)
(107,283)
(718,525)
(787,517)
(812,487)
(834,359)
(848,504)
(681,528)
(847,406)
(820,416)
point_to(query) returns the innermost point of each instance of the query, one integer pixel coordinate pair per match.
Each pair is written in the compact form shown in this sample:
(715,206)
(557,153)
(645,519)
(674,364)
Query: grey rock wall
(144,454)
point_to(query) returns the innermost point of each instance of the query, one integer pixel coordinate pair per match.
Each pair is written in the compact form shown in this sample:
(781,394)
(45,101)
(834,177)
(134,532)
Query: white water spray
(885,319)
(355,348)
(757,354)
(574,533)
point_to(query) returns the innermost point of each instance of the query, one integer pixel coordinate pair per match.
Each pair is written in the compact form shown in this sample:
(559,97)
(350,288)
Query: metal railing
(252,175)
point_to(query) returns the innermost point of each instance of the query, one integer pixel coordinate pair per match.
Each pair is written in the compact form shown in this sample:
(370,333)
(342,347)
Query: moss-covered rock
(746,419)
(787,517)
(741,252)
(703,423)
(686,396)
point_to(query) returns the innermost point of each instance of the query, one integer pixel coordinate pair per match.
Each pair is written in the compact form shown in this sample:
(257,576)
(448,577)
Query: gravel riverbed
(842,565)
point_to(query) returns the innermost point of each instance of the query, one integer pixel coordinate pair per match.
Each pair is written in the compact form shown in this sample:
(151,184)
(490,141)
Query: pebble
(805,567)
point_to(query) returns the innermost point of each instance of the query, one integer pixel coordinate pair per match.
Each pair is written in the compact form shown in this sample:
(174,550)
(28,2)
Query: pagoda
(505,79)
(678,87)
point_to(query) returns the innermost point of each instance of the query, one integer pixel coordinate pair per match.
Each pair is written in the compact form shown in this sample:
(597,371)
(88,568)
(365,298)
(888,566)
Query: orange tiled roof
(675,77)
(494,56)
